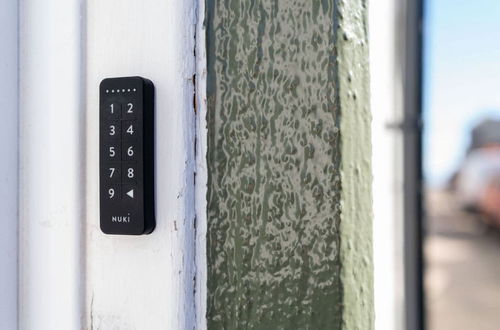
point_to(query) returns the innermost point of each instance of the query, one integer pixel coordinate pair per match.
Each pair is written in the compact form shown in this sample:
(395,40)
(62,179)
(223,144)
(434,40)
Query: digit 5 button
(111,151)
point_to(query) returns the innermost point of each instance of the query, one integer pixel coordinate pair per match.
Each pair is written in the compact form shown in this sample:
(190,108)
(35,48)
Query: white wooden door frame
(147,282)
(52,169)
(386,88)
(71,275)
(9,145)
(395,100)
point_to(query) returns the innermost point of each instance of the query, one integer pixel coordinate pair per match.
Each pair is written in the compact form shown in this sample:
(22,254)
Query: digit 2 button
(126,157)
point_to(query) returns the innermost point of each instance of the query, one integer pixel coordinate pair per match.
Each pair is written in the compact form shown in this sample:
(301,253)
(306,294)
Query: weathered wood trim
(356,217)
(201,168)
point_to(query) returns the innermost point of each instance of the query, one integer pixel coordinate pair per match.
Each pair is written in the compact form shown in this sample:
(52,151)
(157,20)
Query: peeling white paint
(201,169)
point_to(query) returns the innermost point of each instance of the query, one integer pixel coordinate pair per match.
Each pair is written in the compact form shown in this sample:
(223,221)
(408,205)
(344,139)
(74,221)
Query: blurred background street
(463,267)
(461,165)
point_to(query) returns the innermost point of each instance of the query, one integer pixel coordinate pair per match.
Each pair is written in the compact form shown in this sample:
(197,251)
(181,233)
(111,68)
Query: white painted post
(386,96)
(145,282)
(51,165)
(9,163)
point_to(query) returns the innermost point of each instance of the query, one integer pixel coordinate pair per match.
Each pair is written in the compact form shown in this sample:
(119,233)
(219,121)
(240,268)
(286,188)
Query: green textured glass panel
(274,164)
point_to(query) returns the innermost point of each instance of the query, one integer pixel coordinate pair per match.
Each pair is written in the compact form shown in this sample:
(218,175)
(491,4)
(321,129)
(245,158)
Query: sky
(461,79)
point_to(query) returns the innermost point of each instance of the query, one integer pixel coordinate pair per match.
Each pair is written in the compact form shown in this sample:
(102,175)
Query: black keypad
(126,156)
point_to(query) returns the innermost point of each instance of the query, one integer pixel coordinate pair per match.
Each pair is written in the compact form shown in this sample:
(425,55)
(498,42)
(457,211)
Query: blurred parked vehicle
(478,180)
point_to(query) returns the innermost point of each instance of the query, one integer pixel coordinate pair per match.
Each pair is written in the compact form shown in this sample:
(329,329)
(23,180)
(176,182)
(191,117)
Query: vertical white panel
(145,282)
(9,163)
(386,96)
(51,165)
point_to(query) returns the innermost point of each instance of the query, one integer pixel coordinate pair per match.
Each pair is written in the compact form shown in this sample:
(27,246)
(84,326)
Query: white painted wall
(145,282)
(9,163)
(51,165)
(386,93)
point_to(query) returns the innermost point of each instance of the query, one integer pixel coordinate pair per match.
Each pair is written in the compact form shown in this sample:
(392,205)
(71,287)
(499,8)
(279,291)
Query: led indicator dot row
(120,90)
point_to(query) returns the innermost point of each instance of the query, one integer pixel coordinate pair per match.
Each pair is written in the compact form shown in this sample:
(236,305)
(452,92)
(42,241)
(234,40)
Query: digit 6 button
(130,151)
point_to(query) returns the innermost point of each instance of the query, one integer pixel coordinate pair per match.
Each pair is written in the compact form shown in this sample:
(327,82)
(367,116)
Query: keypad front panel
(126,156)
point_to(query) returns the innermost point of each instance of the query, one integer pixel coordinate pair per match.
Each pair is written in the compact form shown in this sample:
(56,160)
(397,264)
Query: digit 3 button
(112,129)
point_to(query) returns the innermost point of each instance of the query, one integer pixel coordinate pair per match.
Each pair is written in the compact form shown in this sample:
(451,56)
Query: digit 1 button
(113,110)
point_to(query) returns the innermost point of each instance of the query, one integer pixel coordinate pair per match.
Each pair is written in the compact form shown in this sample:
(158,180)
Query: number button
(129,110)
(113,173)
(113,110)
(112,129)
(111,152)
(129,129)
(129,173)
(113,192)
(129,151)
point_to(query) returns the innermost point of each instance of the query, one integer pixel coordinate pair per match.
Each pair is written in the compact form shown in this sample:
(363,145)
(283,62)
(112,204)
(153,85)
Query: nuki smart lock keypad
(126,156)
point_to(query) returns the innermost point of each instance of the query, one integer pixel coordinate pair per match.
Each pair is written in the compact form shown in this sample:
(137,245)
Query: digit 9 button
(126,156)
